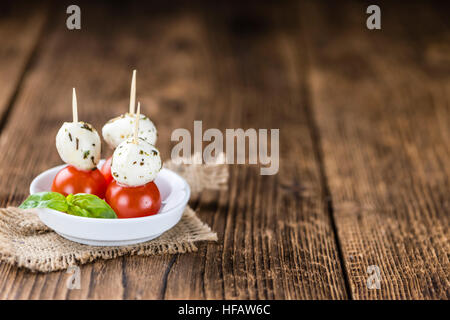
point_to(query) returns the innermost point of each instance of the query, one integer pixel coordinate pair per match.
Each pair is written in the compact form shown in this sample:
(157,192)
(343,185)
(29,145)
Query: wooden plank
(381,102)
(20,28)
(275,236)
(276,241)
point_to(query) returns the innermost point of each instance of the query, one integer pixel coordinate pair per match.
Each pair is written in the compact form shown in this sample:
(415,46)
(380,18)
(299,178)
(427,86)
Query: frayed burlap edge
(212,176)
(26,242)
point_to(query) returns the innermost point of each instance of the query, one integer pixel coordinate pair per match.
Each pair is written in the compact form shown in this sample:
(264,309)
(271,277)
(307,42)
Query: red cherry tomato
(133,202)
(71,180)
(106,170)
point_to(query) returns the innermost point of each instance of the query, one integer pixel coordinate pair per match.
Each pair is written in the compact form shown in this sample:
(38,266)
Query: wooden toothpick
(136,124)
(74,106)
(133,92)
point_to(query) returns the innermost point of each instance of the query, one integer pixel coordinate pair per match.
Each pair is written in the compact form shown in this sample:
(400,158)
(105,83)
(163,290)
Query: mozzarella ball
(135,164)
(79,145)
(116,130)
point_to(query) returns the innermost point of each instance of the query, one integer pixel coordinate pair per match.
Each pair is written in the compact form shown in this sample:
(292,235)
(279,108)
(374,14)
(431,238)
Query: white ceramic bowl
(175,194)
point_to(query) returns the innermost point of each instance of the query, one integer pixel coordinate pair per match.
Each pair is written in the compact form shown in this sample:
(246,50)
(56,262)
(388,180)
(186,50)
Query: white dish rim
(159,215)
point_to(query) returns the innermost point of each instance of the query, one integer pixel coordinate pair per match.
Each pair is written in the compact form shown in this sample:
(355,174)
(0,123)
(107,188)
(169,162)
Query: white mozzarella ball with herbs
(78,144)
(135,164)
(116,130)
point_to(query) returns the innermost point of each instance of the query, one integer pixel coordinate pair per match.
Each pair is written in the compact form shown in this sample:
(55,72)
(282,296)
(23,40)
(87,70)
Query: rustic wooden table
(364,139)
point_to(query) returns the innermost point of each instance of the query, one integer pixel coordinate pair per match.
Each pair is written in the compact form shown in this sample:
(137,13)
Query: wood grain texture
(381,101)
(230,67)
(267,225)
(16,51)
(364,140)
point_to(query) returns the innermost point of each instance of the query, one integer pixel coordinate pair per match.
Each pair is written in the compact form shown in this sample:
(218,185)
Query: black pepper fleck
(86,127)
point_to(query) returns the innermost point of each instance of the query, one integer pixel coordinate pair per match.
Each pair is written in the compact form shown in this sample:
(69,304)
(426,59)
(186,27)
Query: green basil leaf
(51,200)
(89,205)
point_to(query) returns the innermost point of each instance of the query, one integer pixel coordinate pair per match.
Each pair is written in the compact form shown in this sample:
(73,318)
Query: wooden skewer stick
(74,106)
(136,124)
(133,92)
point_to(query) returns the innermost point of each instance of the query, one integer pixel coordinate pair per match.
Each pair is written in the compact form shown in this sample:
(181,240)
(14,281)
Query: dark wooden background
(364,139)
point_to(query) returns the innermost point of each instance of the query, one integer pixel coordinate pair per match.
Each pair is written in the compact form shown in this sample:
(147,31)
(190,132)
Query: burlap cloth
(26,242)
